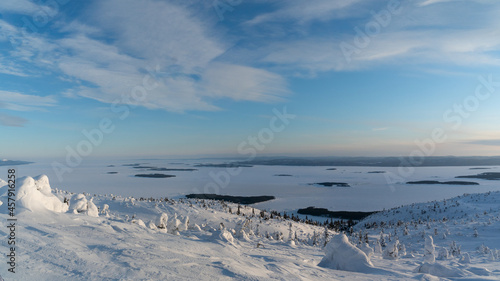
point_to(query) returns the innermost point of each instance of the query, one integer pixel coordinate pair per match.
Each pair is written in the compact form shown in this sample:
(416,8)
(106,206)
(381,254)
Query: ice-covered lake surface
(371,188)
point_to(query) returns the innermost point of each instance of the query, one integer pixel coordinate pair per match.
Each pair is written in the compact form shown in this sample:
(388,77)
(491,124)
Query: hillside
(60,235)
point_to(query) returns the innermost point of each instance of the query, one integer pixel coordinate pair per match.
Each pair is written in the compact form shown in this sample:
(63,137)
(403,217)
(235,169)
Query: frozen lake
(368,191)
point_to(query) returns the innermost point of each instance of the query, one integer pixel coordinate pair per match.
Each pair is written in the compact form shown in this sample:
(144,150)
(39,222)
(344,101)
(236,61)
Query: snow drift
(440,270)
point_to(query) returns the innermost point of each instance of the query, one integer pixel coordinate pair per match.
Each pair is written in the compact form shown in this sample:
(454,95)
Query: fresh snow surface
(164,239)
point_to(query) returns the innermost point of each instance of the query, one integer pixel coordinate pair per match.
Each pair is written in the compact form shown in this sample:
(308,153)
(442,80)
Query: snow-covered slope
(67,236)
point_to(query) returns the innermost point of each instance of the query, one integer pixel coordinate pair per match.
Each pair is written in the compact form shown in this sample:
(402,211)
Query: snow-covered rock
(340,254)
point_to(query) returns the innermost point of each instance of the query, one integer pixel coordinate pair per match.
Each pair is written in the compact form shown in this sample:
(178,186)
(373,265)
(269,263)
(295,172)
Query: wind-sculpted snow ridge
(65,236)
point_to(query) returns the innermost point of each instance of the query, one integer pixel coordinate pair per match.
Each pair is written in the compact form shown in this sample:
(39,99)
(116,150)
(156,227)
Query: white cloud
(305,11)
(419,35)
(430,2)
(243,83)
(161,32)
(10,68)
(21,102)
(21,6)
(167,36)
(11,121)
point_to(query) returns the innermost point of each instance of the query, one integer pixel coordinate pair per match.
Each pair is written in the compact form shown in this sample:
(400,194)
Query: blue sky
(198,78)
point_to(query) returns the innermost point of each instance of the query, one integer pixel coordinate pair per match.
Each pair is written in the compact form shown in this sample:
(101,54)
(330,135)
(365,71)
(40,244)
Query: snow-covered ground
(108,237)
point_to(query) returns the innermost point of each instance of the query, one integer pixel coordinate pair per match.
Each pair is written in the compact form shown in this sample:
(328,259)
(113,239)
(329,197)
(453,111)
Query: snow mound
(36,194)
(440,270)
(342,255)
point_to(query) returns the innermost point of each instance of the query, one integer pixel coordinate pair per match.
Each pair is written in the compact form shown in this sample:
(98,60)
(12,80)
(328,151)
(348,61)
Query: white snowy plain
(132,239)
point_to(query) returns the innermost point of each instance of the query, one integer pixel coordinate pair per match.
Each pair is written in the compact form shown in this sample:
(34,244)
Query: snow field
(108,237)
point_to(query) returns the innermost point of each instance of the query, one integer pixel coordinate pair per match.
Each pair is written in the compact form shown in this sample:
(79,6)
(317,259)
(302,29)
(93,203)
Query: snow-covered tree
(429,250)
(491,256)
(402,250)
(454,249)
(291,236)
(92,209)
(162,222)
(406,232)
(382,240)
(442,253)
(465,258)
(392,251)
(340,254)
(185,224)
(105,210)
(378,247)
(325,236)
(241,230)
